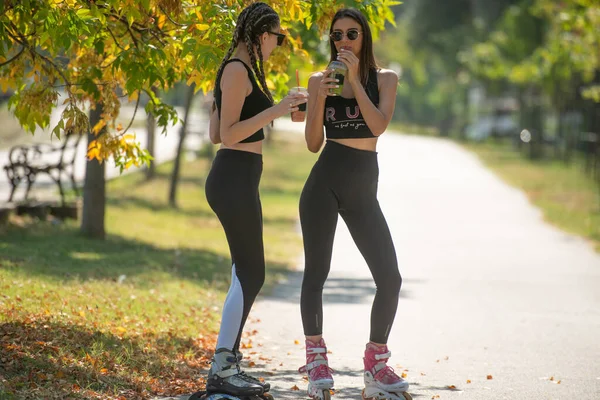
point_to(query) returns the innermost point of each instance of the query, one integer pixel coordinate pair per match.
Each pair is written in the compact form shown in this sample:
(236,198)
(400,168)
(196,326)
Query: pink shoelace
(387,375)
(320,372)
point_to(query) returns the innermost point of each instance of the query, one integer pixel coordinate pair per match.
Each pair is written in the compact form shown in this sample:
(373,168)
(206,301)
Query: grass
(136,315)
(568,197)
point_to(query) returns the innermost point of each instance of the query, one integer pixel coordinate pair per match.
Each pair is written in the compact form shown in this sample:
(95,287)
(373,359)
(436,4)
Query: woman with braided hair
(243,107)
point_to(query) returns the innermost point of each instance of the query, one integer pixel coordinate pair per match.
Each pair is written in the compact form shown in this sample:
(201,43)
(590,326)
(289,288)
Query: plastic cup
(338,71)
(300,115)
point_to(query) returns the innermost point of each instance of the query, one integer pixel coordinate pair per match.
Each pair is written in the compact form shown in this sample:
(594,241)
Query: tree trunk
(94,189)
(182,134)
(151,129)
(536,146)
(560,134)
(462,133)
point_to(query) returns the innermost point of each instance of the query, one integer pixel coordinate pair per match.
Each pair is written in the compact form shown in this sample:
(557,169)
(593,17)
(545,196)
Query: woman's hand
(351,61)
(290,103)
(327,83)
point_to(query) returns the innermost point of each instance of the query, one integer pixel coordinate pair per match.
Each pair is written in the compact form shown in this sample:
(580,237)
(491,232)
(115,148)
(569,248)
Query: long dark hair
(367,58)
(252,22)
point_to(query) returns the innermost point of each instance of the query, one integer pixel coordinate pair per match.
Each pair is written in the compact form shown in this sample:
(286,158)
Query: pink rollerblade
(381,382)
(320,380)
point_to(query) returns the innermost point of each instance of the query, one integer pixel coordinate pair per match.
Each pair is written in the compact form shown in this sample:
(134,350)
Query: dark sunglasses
(352,34)
(280,37)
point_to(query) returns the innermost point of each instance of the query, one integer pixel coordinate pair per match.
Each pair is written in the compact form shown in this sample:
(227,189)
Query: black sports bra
(343,119)
(255,103)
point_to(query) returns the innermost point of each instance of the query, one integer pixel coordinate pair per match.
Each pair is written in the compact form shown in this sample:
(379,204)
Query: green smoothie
(339,70)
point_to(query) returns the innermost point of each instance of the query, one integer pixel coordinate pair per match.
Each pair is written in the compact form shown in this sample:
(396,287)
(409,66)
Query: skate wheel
(267,396)
(198,396)
(407,396)
(326,394)
(212,396)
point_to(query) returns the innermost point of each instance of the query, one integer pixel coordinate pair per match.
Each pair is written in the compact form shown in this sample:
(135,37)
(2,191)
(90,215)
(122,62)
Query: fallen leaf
(296,341)
(489,377)
(468,381)
(452,387)
(295,388)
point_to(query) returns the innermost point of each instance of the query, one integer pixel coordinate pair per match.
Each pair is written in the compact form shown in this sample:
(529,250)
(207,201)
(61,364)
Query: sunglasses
(280,37)
(352,34)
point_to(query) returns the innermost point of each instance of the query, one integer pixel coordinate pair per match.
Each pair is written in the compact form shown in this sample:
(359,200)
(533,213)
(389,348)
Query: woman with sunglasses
(242,108)
(344,181)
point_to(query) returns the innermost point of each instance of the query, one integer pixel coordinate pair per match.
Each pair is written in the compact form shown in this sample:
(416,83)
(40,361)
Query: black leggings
(344,181)
(232,192)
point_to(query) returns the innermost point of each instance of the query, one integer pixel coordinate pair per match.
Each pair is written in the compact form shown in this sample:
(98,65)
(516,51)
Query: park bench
(57,160)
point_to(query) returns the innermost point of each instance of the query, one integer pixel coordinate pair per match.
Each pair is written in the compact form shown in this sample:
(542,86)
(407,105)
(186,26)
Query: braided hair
(252,22)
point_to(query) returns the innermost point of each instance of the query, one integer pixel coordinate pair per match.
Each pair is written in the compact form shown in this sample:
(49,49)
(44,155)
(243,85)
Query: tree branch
(114,38)
(14,58)
(171,19)
(137,103)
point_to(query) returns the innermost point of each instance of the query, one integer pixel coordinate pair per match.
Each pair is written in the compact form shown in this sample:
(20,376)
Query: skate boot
(226,377)
(318,371)
(266,386)
(381,382)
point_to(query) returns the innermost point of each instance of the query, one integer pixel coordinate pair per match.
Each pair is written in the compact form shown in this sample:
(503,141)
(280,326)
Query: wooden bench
(27,162)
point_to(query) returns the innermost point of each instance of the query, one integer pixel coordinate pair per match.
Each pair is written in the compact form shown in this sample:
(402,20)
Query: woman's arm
(318,88)
(213,125)
(376,118)
(232,130)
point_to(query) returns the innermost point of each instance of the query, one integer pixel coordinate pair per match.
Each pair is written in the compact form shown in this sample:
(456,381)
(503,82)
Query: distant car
(502,125)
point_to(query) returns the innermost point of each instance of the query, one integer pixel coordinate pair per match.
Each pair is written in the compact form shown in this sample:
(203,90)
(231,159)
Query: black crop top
(343,119)
(255,103)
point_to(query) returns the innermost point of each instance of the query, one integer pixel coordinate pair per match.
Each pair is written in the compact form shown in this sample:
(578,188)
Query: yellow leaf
(198,15)
(98,127)
(161,21)
(296,341)
(82,313)
(202,27)
(104,371)
(93,153)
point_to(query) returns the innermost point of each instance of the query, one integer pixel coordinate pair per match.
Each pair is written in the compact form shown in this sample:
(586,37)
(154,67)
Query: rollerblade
(320,380)
(226,381)
(266,386)
(381,382)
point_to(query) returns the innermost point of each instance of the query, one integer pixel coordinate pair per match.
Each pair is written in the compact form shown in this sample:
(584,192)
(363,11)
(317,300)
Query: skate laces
(320,372)
(250,378)
(387,375)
